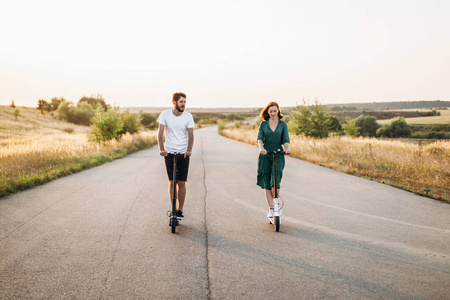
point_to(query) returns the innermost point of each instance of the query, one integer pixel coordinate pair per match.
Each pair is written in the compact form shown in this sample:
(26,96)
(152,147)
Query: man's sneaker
(180,215)
(270,214)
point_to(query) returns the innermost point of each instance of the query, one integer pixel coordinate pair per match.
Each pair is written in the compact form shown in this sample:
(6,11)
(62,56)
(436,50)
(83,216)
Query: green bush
(44,105)
(148,120)
(95,101)
(313,123)
(350,128)
(84,112)
(368,125)
(66,111)
(131,123)
(397,128)
(106,125)
(220,126)
(335,124)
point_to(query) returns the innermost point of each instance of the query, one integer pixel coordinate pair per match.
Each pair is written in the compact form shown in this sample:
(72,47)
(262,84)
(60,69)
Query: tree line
(107,122)
(316,121)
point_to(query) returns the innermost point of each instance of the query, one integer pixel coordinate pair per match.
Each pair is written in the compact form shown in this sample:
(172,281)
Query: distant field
(444,118)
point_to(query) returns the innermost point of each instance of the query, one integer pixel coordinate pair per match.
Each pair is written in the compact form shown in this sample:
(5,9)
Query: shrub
(395,129)
(313,123)
(95,101)
(43,105)
(12,104)
(368,125)
(131,123)
(16,113)
(106,125)
(148,120)
(84,112)
(55,102)
(221,126)
(66,111)
(237,124)
(335,124)
(350,128)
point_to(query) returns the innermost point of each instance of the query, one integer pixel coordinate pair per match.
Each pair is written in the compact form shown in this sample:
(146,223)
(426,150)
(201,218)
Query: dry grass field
(422,169)
(35,148)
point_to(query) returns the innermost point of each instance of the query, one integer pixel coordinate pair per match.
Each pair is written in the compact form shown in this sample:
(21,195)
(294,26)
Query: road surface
(103,234)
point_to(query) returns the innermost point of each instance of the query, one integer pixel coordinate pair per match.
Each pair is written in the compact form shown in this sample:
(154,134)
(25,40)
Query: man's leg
(181,194)
(171,191)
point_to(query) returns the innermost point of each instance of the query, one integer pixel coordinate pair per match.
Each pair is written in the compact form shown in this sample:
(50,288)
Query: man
(178,126)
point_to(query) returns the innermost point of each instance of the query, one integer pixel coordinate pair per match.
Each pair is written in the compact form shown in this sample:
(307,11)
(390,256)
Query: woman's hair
(177,96)
(265,112)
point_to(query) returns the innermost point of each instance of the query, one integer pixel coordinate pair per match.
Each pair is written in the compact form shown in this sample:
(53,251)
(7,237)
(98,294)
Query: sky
(229,53)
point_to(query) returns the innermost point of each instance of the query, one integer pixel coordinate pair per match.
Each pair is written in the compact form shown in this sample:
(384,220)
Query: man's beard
(179,108)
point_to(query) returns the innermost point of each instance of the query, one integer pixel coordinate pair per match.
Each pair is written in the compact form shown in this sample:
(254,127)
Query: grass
(444,118)
(423,169)
(36,149)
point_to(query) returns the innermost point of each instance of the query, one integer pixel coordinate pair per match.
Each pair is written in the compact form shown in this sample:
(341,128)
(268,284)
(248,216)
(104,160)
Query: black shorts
(182,167)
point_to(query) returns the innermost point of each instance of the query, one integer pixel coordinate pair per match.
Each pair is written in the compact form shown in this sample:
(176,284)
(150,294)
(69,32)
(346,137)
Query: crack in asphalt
(208,282)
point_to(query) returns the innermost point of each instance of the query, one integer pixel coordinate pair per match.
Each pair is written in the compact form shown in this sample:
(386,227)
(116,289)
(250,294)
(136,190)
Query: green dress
(272,141)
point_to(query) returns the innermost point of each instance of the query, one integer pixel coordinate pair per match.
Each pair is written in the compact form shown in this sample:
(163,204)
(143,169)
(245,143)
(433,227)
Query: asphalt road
(103,234)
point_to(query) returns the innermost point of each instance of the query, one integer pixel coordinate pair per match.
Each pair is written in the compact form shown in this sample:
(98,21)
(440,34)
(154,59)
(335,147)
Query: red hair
(265,111)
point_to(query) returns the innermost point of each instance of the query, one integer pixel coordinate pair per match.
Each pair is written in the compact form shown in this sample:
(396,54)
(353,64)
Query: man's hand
(188,153)
(263,151)
(162,152)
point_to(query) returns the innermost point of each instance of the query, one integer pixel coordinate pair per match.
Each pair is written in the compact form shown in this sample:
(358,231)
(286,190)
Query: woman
(272,134)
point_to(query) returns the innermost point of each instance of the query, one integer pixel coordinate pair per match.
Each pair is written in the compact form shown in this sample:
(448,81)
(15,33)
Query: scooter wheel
(276,221)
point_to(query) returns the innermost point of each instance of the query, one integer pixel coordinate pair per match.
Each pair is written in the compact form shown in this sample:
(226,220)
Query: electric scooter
(276,220)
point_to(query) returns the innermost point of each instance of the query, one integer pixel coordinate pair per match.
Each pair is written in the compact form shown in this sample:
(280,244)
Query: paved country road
(103,234)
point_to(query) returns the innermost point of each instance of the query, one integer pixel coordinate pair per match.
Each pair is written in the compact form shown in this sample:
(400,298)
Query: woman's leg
(269,198)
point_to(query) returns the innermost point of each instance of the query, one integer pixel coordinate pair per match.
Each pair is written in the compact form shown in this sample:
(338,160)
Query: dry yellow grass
(35,149)
(422,169)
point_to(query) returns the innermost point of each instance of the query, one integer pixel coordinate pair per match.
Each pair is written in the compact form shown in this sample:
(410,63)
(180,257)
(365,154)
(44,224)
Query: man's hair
(265,111)
(177,96)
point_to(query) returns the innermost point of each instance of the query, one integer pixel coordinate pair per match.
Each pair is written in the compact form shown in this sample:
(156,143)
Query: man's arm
(162,151)
(190,142)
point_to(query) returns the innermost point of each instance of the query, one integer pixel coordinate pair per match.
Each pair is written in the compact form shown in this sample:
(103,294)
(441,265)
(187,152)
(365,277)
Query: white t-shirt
(176,130)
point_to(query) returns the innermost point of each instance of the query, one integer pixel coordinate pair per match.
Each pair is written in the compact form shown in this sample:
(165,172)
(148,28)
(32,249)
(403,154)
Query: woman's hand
(288,151)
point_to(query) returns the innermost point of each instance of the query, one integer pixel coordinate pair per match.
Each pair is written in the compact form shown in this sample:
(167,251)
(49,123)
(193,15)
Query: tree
(55,101)
(395,129)
(66,111)
(368,125)
(84,112)
(335,124)
(43,105)
(95,101)
(313,123)
(148,120)
(106,125)
(350,128)
(301,120)
(131,123)
(12,104)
